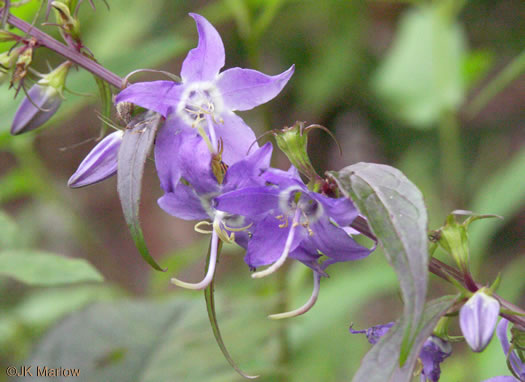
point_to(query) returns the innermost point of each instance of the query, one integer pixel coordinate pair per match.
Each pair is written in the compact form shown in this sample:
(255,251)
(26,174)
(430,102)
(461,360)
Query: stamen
(237,229)
(198,228)
(306,307)
(211,267)
(285,221)
(284,254)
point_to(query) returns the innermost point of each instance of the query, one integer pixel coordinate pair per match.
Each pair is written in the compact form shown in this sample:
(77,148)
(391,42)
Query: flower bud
(42,101)
(293,141)
(100,163)
(477,320)
(7,61)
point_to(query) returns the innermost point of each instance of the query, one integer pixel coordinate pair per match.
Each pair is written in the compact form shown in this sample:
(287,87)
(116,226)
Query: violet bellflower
(100,163)
(291,221)
(206,99)
(190,185)
(477,320)
(42,101)
(432,354)
(516,364)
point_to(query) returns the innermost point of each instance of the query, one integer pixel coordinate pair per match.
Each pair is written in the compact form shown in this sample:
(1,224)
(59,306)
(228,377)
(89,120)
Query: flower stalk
(49,42)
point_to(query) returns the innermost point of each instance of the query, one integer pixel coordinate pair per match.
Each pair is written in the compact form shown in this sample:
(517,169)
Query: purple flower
(206,99)
(190,183)
(374,333)
(434,351)
(291,221)
(517,366)
(100,163)
(477,320)
(42,101)
(432,354)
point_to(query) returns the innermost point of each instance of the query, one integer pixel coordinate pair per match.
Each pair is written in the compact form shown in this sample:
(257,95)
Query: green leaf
(397,216)
(209,295)
(8,232)
(381,363)
(421,77)
(41,268)
(148,341)
(136,144)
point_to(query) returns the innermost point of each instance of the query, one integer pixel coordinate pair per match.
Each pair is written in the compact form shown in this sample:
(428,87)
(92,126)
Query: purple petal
(374,333)
(159,96)
(237,137)
(183,203)
(335,243)
(267,242)
(194,160)
(250,201)
(99,164)
(514,360)
(477,319)
(204,62)
(284,179)
(341,210)
(245,172)
(244,89)
(28,117)
(433,353)
(168,141)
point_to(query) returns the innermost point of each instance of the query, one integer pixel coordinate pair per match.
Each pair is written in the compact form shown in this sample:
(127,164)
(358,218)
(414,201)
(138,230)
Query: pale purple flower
(516,364)
(478,319)
(100,163)
(432,354)
(206,99)
(28,116)
(41,102)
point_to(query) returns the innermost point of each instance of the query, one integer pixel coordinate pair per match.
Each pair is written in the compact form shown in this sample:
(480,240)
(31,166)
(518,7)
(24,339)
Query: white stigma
(211,266)
(306,307)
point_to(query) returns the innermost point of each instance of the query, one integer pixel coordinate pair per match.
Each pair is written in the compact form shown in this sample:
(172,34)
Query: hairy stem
(445,271)
(49,42)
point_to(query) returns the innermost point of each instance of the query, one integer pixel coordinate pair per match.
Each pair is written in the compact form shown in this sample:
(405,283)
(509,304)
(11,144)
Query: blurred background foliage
(434,88)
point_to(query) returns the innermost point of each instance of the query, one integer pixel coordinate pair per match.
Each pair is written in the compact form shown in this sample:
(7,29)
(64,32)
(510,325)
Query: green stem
(452,170)
(498,83)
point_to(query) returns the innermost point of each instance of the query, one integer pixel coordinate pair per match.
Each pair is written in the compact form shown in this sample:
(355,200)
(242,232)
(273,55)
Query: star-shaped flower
(206,99)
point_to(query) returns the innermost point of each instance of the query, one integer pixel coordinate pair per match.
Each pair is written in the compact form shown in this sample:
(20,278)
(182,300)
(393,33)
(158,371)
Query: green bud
(57,78)
(70,24)
(453,237)
(293,141)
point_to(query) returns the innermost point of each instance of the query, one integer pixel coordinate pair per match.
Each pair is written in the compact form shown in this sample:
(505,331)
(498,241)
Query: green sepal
(212,315)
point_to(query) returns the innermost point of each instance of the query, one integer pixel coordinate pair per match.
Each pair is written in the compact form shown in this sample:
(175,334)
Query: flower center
(294,198)
(199,101)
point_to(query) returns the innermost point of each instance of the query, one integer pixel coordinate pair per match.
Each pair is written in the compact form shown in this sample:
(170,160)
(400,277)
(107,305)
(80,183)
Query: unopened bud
(42,101)
(477,320)
(100,163)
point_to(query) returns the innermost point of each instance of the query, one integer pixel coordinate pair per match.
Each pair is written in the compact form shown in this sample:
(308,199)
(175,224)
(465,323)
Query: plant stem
(451,159)
(445,271)
(49,42)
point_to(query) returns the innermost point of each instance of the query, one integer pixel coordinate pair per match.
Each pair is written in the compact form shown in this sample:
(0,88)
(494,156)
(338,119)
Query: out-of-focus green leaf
(502,194)
(166,340)
(421,76)
(40,268)
(381,363)
(475,66)
(136,144)
(18,183)
(8,232)
(397,215)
